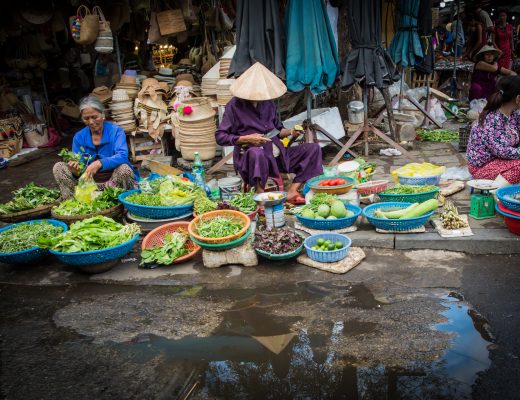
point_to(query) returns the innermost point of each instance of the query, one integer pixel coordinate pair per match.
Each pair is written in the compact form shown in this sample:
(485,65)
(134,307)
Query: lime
(320,242)
(338,245)
(314,248)
(327,242)
(331,247)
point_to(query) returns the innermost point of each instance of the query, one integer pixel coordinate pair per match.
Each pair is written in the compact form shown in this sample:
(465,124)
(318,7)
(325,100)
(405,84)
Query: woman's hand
(255,139)
(92,169)
(73,166)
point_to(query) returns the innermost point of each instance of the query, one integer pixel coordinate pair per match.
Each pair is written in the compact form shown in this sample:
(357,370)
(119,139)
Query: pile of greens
(244,202)
(437,135)
(410,189)
(107,199)
(29,197)
(218,227)
(169,191)
(174,247)
(202,205)
(277,241)
(94,233)
(68,155)
(25,236)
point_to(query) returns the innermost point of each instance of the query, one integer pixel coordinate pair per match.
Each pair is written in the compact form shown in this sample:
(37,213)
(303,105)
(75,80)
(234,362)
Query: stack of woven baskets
(225,62)
(151,108)
(196,131)
(209,81)
(121,110)
(223,93)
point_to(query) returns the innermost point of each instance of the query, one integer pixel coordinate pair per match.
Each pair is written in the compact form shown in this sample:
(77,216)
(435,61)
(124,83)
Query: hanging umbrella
(367,63)
(259,37)
(312,56)
(424,29)
(405,48)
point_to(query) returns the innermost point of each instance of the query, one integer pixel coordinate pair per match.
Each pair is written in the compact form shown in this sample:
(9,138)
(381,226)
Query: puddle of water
(254,354)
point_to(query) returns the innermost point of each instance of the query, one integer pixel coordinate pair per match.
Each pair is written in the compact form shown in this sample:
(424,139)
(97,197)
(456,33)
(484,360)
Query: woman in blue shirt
(103,149)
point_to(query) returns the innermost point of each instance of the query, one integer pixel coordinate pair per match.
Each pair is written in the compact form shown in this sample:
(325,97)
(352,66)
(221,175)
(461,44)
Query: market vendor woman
(102,145)
(249,116)
(493,147)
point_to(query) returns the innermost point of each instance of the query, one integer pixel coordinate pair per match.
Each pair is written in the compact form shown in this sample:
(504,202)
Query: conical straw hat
(258,83)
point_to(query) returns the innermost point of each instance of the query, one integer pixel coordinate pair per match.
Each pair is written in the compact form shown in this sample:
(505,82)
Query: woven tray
(353,259)
(111,212)
(27,215)
(421,229)
(451,233)
(301,227)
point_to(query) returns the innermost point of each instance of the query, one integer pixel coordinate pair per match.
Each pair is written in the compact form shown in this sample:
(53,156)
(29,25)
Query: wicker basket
(41,211)
(464,132)
(340,189)
(236,215)
(156,238)
(170,22)
(111,212)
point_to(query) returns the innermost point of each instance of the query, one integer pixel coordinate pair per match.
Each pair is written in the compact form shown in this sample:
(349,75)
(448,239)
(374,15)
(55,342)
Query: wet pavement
(399,326)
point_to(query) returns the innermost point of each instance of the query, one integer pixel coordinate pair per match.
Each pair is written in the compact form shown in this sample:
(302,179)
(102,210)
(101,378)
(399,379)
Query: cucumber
(421,209)
(399,213)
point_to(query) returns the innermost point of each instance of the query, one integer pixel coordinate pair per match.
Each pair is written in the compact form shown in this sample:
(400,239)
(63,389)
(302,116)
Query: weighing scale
(482,204)
(273,209)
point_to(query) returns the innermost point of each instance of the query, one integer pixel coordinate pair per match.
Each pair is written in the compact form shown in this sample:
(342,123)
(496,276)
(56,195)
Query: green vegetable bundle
(410,189)
(107,199)
(437,135)
(413,211)
(218,227)
(25,236)
(94,233)
(202,205)
(171,191)
(244,202)
(29,197)
(174,247)
(68,155)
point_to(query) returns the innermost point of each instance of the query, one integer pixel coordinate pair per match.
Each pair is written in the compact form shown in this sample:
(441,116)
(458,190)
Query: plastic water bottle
(198,171)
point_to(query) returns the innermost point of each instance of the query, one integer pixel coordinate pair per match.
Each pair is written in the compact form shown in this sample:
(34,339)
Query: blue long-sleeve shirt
(112,151)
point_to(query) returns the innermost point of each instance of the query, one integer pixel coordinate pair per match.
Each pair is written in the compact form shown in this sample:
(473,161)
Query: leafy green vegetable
(410,189)
(144,198)
(107,199)
(244,202)
(28,197)
(218,227)
(25,236)
(68,155)
(202,204)
(174,247)
(437,135)
(94,233)
(170,191)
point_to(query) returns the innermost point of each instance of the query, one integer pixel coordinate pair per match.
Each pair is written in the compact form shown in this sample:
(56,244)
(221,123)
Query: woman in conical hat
(485,73)
(249,116)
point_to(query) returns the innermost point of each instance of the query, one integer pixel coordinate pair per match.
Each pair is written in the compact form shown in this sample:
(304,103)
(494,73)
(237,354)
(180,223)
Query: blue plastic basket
(29,255)
(506,194)
(331,224)
(400,225)
(96,256)
(154,212)
(409,198)
(419,180)
(327,256)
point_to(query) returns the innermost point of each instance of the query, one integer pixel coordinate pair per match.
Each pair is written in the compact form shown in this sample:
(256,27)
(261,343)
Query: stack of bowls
(209,81)
(121,110)
(223,93)
(196,131)
(129,83)
(508,205)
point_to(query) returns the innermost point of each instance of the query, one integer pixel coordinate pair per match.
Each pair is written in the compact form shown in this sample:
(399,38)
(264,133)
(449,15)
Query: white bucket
(229,187)
(274,216)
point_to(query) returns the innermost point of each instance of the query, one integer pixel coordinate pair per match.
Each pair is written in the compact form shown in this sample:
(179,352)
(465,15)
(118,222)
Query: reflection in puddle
(254,354)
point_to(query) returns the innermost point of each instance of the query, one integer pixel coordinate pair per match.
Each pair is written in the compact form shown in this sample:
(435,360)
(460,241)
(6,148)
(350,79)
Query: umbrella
(312,56)
(424,29)
(259,37)
(405,48)
(367,62)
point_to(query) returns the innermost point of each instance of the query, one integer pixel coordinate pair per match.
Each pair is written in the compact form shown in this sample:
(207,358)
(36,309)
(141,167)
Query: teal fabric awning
(406,48)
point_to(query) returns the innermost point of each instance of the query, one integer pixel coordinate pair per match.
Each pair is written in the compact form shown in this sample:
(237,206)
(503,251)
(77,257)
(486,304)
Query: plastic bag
(85,191)
(418,170)
(172,196)
(457,174)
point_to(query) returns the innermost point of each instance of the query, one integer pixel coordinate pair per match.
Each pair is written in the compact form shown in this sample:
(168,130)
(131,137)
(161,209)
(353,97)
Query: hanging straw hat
(258,83)
(486,49)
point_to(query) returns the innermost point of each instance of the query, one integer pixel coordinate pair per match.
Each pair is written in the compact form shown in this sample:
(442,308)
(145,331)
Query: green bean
(218,227)
(244,202)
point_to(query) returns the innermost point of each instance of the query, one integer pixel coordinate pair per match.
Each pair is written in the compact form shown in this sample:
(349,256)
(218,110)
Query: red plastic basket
(368,188)
(156,238)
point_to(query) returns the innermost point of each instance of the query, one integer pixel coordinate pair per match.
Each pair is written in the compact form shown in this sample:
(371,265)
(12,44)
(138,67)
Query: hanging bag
(69,108)
(105,40)
(84,26)
(154,34)
(171,21)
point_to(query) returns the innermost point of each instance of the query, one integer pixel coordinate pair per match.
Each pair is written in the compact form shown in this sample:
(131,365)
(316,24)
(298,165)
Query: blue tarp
(406,48)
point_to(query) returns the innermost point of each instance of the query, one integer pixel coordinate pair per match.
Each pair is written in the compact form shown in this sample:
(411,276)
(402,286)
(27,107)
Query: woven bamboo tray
(111,212)
(38,212)
(236,215)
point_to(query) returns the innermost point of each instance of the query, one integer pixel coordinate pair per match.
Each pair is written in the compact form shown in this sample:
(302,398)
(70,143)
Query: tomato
(333,182)
(341,181)
(185,179)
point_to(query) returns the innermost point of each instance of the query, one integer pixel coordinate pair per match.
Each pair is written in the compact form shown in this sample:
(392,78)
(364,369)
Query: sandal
(296,200)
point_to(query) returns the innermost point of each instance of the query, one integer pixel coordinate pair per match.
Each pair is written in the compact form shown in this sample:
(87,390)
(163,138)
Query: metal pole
(365,118)
(309,104)
(118,55)
(454,75)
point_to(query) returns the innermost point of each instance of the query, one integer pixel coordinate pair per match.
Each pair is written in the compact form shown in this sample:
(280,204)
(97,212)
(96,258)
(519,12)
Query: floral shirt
(497,137)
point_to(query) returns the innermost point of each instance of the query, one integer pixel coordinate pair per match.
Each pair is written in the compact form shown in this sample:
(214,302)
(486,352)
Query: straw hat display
(196,131)
(165,75)
(257,83)
(150,107)
(121,110)
(223,93)
(225,62)
(209,81)
(103,94)
(129,83)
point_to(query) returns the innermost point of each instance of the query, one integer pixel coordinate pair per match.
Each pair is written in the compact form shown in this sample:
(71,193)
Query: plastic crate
(327,256)
(154,212)
(388,224)
(331,224)
(506,194)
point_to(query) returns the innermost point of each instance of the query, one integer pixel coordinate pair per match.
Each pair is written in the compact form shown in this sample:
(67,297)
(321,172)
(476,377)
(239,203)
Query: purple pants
(303,160)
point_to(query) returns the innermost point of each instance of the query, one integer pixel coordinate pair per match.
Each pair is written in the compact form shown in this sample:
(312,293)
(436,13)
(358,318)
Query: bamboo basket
(26,215)
(111,212)
(235,215)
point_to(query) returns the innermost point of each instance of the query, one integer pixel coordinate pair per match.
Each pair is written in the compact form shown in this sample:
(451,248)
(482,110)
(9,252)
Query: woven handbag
(105,40)
(171,21)
(84,26)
